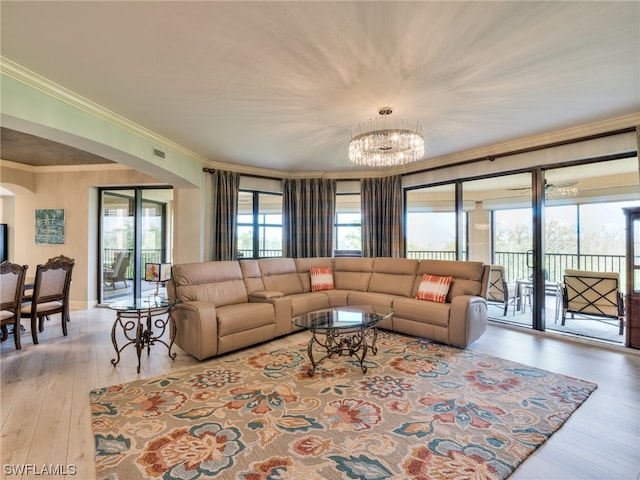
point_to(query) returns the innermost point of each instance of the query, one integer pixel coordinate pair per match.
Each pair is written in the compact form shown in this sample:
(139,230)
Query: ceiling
(31,150)
(278,85)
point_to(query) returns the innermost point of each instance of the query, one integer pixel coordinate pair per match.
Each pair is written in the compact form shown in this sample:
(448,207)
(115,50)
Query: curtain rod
(493,157)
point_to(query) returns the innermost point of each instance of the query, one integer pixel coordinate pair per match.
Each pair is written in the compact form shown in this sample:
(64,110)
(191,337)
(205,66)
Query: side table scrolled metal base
(143,324)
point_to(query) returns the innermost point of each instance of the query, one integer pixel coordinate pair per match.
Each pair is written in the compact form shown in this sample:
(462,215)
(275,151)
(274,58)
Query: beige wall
(32,105)
(76,193)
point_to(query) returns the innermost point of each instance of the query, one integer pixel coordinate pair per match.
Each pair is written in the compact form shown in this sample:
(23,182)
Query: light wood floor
(45,415)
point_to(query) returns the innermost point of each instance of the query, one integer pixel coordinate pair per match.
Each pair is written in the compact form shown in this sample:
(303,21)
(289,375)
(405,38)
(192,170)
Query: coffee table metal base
(341,343)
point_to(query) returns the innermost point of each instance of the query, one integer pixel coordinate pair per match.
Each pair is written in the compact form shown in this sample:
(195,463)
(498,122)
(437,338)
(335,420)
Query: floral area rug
(422,411)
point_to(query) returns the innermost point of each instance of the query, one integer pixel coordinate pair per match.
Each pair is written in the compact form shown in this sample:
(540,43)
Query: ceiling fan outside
(549,187)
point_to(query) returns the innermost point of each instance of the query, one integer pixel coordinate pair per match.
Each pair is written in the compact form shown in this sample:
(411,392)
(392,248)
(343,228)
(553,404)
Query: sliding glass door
(585,230)
(501,234)
(135,229)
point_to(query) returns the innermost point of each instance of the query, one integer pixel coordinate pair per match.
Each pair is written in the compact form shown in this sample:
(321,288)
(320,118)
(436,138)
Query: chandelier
(382,142)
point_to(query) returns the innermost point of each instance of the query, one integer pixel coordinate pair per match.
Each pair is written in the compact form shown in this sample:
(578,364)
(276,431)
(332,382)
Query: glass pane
(245,241)
(118,224)
(245,207)
(597,193)
(348,204)
(585,230)
(500,233)
(348,237)
(348,228)
(349,218)
(561,240)
(156,234)
(270,242)
(270,222)
(270,204)
(431,223)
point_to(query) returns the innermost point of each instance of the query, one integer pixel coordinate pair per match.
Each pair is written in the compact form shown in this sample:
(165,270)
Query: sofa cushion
(351,273)
(422,311)
(321,279)
(303,267)
(302,303)
(219,283)
(243,316)
(467,276)
(279,274)
(433,288)
(251,275)
(371,298)
(393,275)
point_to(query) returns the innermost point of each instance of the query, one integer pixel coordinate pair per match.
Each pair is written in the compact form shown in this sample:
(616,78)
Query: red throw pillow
(321,279)
(434,288)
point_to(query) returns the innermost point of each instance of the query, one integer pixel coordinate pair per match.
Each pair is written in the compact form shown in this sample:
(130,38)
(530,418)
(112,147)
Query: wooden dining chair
(12,278)
(50,294)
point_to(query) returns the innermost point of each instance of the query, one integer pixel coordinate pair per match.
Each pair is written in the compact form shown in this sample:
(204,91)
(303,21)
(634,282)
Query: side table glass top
(343,318)
(145,303)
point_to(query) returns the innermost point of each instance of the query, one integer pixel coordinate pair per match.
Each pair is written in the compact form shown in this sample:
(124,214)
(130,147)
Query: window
(348,224)
(259,224)
(431,223)
(136,222)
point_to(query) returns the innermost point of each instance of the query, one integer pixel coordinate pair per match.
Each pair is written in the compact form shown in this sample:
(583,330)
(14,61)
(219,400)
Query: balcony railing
(431,254)
(266,253)
(516,264)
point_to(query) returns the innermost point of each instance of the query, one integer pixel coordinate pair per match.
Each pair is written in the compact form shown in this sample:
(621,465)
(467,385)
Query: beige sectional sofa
(227,305)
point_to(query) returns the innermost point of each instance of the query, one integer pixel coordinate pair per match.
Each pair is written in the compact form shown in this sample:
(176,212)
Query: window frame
(259,224)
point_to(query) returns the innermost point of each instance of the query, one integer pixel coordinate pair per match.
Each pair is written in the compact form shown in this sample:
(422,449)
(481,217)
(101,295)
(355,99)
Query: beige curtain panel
(309,206)
(382,217)
(224,193)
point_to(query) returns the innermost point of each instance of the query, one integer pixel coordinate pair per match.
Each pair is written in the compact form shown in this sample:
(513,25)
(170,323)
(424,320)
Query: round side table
(143,323)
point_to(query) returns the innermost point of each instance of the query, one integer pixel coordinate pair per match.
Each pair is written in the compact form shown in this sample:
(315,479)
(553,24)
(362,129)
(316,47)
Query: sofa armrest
(467,319)
(282,309)
(197,328)
(265,295)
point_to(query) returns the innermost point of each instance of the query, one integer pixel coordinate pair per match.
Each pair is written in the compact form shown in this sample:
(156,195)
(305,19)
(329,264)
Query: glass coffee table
(343,330)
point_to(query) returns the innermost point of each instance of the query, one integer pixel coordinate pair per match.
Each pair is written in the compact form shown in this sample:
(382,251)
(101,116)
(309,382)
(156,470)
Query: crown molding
(32,79)
(42,84)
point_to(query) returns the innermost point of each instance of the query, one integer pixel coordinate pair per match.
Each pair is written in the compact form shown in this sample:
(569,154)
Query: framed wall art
(50,226)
